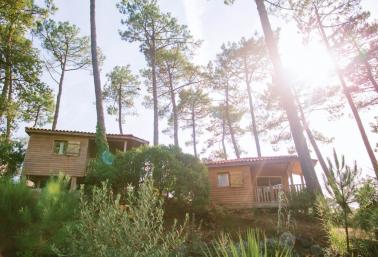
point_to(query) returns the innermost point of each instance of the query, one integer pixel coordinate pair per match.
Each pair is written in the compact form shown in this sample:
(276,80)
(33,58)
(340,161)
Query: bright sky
(214,23)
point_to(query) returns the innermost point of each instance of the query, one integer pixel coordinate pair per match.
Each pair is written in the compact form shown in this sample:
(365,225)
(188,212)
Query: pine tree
(286,98)
(252,65)
(193,108)
(327,17)
(68,52)
(120,92)
(145,23)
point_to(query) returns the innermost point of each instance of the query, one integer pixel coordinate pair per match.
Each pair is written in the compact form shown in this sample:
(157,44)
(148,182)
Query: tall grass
(253,245)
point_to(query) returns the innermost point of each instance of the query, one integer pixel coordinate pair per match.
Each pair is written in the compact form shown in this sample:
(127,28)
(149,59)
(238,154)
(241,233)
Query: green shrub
(17,211)
(56,207)
(365,248)
(178,176)
(337,242)
(301,201)
(366,216)
(107,228)
(254,245)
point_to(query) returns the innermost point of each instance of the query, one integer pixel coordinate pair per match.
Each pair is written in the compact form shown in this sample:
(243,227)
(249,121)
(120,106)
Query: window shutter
(236,179)
(73,148)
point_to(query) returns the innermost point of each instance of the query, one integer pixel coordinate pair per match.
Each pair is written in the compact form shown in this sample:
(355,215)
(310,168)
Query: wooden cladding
(48,155)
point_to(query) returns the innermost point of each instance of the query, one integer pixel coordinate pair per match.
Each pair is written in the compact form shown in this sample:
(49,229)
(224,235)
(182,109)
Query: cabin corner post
(73,185)
(257,197)
(289,172)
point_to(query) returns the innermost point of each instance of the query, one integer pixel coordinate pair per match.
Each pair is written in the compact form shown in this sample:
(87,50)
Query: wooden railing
(269,194)
(296,188)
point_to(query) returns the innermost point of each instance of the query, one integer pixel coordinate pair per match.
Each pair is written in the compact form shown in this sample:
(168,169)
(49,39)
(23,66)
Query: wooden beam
(124,146)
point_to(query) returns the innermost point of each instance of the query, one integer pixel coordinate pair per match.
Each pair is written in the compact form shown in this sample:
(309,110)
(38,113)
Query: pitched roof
(30,130)
(251,160)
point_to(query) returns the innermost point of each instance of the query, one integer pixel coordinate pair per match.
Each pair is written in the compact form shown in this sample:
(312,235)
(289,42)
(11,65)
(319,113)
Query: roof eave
(82,134)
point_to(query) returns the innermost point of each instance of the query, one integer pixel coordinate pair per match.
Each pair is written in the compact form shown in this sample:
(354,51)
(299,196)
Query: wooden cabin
(253,182)
(51,152)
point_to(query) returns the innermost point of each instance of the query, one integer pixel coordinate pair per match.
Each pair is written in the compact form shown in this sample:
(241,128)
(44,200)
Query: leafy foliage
(134,229)
(254,245)
(11,156)
(56,208)
(18,211)
(341,184)
(366,216)
(177,176)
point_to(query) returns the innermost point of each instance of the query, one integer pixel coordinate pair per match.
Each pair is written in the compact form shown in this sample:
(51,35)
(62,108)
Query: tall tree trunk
(286,98)
(346,230)
(224,138)
(174,110)
(229,124)
(348,96)
(58,97)
(312,139)
(252,110)
(154,94)
(194,136)
(101,141)
(5,90)
(8,71)
(120,109)
(37,116)
(10,110)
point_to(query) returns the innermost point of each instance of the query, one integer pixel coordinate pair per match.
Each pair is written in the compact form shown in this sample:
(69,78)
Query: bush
(301,201)
(17,211)
(179,177)
(56,207)
(254,245)
(366,216)
(107,228)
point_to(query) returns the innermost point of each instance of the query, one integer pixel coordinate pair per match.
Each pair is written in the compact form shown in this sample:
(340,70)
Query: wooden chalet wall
(40,159)
(232,197)
(244,196)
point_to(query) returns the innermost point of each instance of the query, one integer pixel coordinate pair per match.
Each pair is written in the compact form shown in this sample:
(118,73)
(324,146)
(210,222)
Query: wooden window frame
(240,174)
(54,143)
(67,143)
(228,178)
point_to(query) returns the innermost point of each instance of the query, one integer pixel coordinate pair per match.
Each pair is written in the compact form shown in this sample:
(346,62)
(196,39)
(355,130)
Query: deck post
(302,180)
(73,184)
(124,146)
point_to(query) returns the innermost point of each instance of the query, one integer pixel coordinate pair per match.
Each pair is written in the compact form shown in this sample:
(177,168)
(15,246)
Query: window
(73,148)
(60,147)
(223,180)
(236,179)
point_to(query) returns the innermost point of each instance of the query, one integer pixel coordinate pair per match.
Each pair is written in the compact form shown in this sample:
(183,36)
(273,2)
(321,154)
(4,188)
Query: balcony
(268,196)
